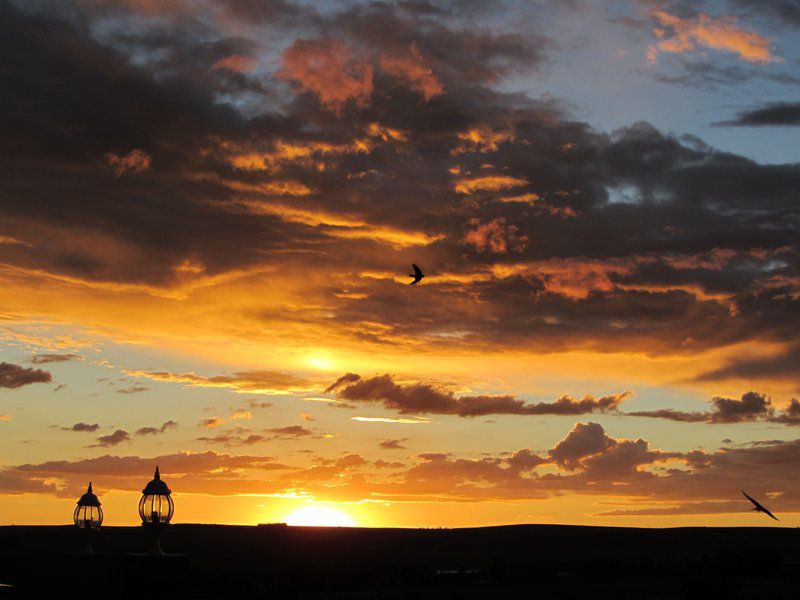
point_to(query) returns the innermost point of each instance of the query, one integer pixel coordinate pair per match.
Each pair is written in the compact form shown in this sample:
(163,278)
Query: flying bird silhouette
(758,507)
(417,275)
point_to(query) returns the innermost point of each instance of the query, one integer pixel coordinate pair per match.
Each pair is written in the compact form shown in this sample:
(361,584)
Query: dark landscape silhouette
(522,561)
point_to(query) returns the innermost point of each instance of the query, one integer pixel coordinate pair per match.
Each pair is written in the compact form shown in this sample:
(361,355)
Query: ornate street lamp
(156,509)
(88,516)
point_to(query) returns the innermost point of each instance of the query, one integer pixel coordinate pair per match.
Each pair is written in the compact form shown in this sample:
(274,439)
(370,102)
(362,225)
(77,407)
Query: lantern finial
(158,475)
(90,487)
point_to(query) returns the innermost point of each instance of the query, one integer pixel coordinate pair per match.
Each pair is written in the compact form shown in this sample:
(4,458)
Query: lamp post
(156,509)
(88,516)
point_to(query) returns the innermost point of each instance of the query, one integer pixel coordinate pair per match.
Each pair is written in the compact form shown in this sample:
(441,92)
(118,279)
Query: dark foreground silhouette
(528,561)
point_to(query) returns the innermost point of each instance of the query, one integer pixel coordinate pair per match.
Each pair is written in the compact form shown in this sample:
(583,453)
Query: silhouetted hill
(541,561)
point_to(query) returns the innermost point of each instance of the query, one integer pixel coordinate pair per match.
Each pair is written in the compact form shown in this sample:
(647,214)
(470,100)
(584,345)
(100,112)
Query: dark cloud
(202,472)
(749,407)
(156,430)
(255,404)
(43,359)
(240,436)
(525,460)
(673,415)
(82,427)
(424,398)
(212,422)
(133,389)
(262,10)
(112,439)
(790,415)
(383,464)
(344,379)
(290,431)
(709,75)
(234,439)
(586,439)
(14,376)
(784,365)
(785,12)
(776,114)
(752,406)
(634,239)
(393,444)
(16,483)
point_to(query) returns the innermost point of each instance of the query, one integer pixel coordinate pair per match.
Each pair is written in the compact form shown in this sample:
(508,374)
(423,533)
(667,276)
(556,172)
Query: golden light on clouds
(492,183)
(482,139)
(608,309)
(678,35)
(398,420)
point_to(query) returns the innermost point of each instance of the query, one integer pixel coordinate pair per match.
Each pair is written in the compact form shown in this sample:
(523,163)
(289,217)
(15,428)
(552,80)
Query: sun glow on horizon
(319,516)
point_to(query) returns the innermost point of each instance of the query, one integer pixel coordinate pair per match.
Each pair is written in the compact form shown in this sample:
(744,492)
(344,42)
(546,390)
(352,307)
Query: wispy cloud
(680,35)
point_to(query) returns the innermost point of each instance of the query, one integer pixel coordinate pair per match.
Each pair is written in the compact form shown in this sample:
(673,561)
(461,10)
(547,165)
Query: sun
(319,516)
(321,361)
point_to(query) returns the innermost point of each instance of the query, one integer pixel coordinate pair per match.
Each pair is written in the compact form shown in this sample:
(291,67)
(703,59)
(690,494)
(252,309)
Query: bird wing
(417,270)
(769,513)
(755,503)
(759,507)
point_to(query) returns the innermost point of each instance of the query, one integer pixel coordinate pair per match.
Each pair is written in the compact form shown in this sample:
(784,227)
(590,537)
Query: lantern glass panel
(88,517)
(156,508)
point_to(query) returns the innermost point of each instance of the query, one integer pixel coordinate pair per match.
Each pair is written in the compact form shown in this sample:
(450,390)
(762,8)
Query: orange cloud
(573,278)
(277,187)
(577,277)
(495,236)
(327,68)
(5,239)
(679,36)
(713,260)
(135,161)
(213,422)
(310,154)
(343,226)
(412,69)
(236,63)
(482,139)
(241,414)
(533,199)
(258,382)
(387,134)
(491,183)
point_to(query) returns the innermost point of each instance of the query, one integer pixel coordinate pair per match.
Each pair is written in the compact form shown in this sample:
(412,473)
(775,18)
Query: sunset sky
(210,209)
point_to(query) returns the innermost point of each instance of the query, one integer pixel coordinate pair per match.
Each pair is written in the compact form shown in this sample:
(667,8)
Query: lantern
(156,509)
(88,517)
(88,514)
(156,506)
